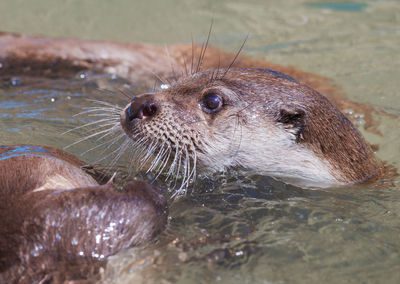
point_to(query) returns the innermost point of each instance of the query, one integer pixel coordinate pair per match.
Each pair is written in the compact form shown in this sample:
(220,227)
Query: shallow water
(244,229)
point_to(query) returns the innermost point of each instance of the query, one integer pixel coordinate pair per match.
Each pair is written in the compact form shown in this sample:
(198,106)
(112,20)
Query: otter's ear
(293,119)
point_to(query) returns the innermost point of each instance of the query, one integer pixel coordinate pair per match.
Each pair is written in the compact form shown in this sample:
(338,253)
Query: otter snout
(141,107)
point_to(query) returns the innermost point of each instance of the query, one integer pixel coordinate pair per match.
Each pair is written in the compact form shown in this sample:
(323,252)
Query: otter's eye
(211,103)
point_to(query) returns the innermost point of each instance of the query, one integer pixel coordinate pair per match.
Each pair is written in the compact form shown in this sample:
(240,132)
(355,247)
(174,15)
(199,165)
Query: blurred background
(247,231)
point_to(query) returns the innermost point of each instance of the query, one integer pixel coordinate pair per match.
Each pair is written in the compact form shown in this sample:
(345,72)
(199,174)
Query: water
(245,229)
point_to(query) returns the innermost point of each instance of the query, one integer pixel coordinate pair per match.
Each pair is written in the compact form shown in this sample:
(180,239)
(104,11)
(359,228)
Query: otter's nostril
(149,109)
(140,111)
(132,112)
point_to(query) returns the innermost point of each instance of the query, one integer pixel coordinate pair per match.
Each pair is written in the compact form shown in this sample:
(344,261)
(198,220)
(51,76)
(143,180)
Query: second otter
(257,119)
(57,223)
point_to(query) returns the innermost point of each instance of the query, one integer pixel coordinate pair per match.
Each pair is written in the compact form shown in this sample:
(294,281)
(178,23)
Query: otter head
(255,119)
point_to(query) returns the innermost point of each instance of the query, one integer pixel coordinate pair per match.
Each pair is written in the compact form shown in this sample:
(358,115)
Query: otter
(315,145)
(59,223)
(259,120)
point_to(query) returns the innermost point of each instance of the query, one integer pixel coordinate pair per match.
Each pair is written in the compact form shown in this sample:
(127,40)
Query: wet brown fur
(63,223)
(318,123)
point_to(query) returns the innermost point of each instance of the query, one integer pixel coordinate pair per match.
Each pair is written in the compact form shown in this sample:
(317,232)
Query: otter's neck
(332,137)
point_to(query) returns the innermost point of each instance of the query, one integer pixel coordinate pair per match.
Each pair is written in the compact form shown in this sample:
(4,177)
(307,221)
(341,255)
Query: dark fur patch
(293,118)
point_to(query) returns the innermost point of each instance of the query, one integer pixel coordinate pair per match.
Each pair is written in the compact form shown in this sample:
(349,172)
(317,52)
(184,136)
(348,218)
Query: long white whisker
(178,170)
(122,149)
(150,153)
(194,157)
(113,130)
(164,161)
(86,138)
(99,109)
(86,125)
(111,142)
(105,103)
(112,153)
(174,161)
(157,159)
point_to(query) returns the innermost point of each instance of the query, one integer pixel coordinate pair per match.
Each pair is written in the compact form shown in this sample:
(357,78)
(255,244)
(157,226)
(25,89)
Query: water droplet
(52,100)
(360,122)
(82,76)
(239,253)
(15,81)
(348,111)
(36,250)
(164,86)
(74,241)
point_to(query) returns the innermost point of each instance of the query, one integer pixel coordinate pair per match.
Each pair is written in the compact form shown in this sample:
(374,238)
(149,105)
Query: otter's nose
(142,107)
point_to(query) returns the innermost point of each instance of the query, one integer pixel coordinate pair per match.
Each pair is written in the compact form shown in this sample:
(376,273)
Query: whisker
(150,152)
(112,153)
(111,142)
(172,65)
(86,138)
(122,150)
(191,65)
(236,56)
(179,167)
(112,117)
(164,163)
(86,125)
(132,159)
(204,48)
(185,66)
(104,103)
(162,80)
(100,109)
(156,160)
(113,130)
(174,161)
(118,91)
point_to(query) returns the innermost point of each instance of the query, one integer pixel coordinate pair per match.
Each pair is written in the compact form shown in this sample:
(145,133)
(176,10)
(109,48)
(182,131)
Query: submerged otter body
(256,119)
(57,223)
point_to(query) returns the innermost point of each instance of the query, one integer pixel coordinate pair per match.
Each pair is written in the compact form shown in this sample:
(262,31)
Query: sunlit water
(242,229)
